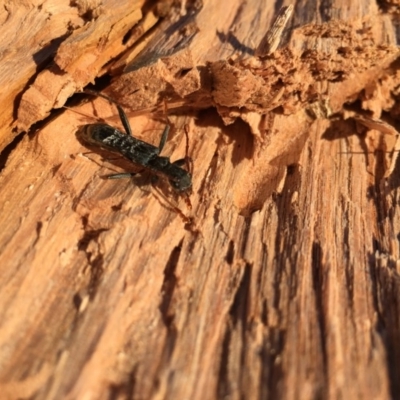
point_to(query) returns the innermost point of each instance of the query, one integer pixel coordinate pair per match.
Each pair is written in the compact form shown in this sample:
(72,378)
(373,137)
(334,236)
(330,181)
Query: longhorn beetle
(135,150)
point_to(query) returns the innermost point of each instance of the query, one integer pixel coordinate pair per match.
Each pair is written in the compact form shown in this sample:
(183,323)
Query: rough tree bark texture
(281,281)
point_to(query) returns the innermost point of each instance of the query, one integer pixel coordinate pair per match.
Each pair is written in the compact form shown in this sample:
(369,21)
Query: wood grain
(285,281)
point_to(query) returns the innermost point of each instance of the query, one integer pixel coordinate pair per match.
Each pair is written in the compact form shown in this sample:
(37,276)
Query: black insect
(108,138)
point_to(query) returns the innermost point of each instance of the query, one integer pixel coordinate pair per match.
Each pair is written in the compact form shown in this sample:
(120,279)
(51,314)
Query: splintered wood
(79,58)
(272,39)
(291,81)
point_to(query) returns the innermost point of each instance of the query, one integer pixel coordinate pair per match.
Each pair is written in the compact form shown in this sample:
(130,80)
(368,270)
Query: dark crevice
(318,281)
(169,284)
(264,315)
(230,254)
(6,152)
(39,227)
(238,311)
(348,270)
(182,73)
(224,389)
(46,53)
(217,213)
(117,207)
(55,169)
(245,236)
(77,301)
(384,6)
(167,292)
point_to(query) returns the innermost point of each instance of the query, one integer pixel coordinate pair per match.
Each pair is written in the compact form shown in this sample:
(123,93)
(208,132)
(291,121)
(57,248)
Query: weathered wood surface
(285,284)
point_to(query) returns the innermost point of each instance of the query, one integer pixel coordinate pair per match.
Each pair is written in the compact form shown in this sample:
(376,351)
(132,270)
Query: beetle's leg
(114,158)
(121,112)
(164,138)
(122,175)
(124,120)
(183,162)
(180,162)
